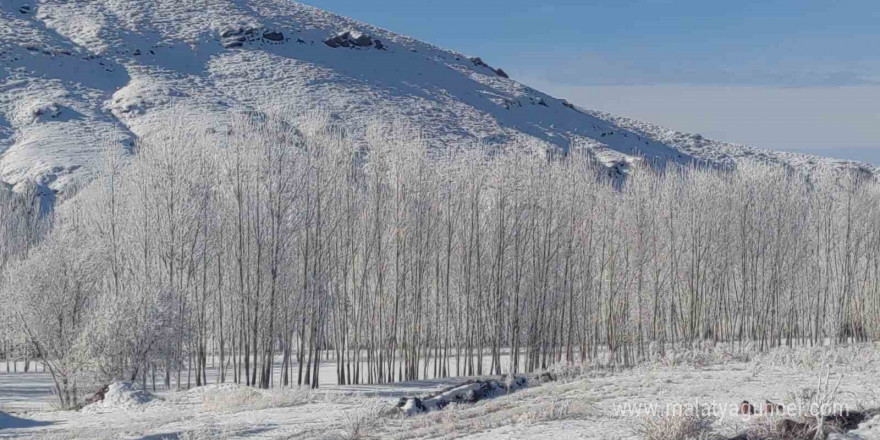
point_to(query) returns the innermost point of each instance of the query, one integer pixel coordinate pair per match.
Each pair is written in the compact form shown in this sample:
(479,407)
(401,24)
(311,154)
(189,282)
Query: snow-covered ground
(78,75)
(32,391)
(594,403)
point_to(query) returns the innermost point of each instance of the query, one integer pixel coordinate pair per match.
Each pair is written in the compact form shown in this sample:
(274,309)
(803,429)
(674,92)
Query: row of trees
(264,250)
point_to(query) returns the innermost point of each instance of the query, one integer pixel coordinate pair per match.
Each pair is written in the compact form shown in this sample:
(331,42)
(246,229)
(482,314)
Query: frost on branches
(256,240)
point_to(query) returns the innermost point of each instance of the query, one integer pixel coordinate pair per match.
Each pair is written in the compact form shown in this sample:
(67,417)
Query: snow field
(592,402)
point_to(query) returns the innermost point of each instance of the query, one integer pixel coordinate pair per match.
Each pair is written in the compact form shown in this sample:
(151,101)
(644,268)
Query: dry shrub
(778,428)
(688,424)
(700,354)
(203,433)
(812,413)
(355,423)
(76,434)
(569,372)
(555,408)
(797,428)
(237,399)
(815,404)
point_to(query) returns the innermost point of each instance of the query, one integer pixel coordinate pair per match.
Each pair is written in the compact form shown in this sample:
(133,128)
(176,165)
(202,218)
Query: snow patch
(141,95)
(48,111)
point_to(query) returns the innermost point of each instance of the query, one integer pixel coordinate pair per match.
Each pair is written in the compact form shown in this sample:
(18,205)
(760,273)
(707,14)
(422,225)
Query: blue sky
(798,75)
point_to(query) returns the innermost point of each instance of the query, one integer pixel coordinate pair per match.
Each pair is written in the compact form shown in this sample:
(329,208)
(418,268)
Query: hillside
(75,75)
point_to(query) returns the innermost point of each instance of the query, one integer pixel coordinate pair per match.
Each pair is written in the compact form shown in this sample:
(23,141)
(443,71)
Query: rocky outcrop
(354,39)
(273,36)
(236,37)
(480,63)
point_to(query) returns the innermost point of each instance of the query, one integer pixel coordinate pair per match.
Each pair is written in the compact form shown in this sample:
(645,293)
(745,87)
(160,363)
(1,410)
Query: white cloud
(831,121)
(701,68)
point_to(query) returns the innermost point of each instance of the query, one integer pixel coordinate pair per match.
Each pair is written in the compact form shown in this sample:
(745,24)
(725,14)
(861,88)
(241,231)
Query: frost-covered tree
(52,297)
(262,247)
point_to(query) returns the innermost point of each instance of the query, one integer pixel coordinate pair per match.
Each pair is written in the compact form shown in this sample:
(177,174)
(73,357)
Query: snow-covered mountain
(77,74)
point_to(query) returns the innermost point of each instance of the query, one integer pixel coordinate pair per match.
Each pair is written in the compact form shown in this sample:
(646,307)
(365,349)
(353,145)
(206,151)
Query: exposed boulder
(571,106)
(273,36)
(538,101)
(231,32)
(480,63)
(360,39)
(353,39)
(235,37)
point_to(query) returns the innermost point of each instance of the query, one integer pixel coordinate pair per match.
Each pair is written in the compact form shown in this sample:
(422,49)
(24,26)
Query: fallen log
(470,391)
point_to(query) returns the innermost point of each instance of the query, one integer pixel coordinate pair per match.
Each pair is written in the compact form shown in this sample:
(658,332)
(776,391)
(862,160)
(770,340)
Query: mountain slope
(77,75)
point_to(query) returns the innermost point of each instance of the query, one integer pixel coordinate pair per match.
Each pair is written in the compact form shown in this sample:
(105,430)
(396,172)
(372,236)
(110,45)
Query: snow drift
(121,396)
